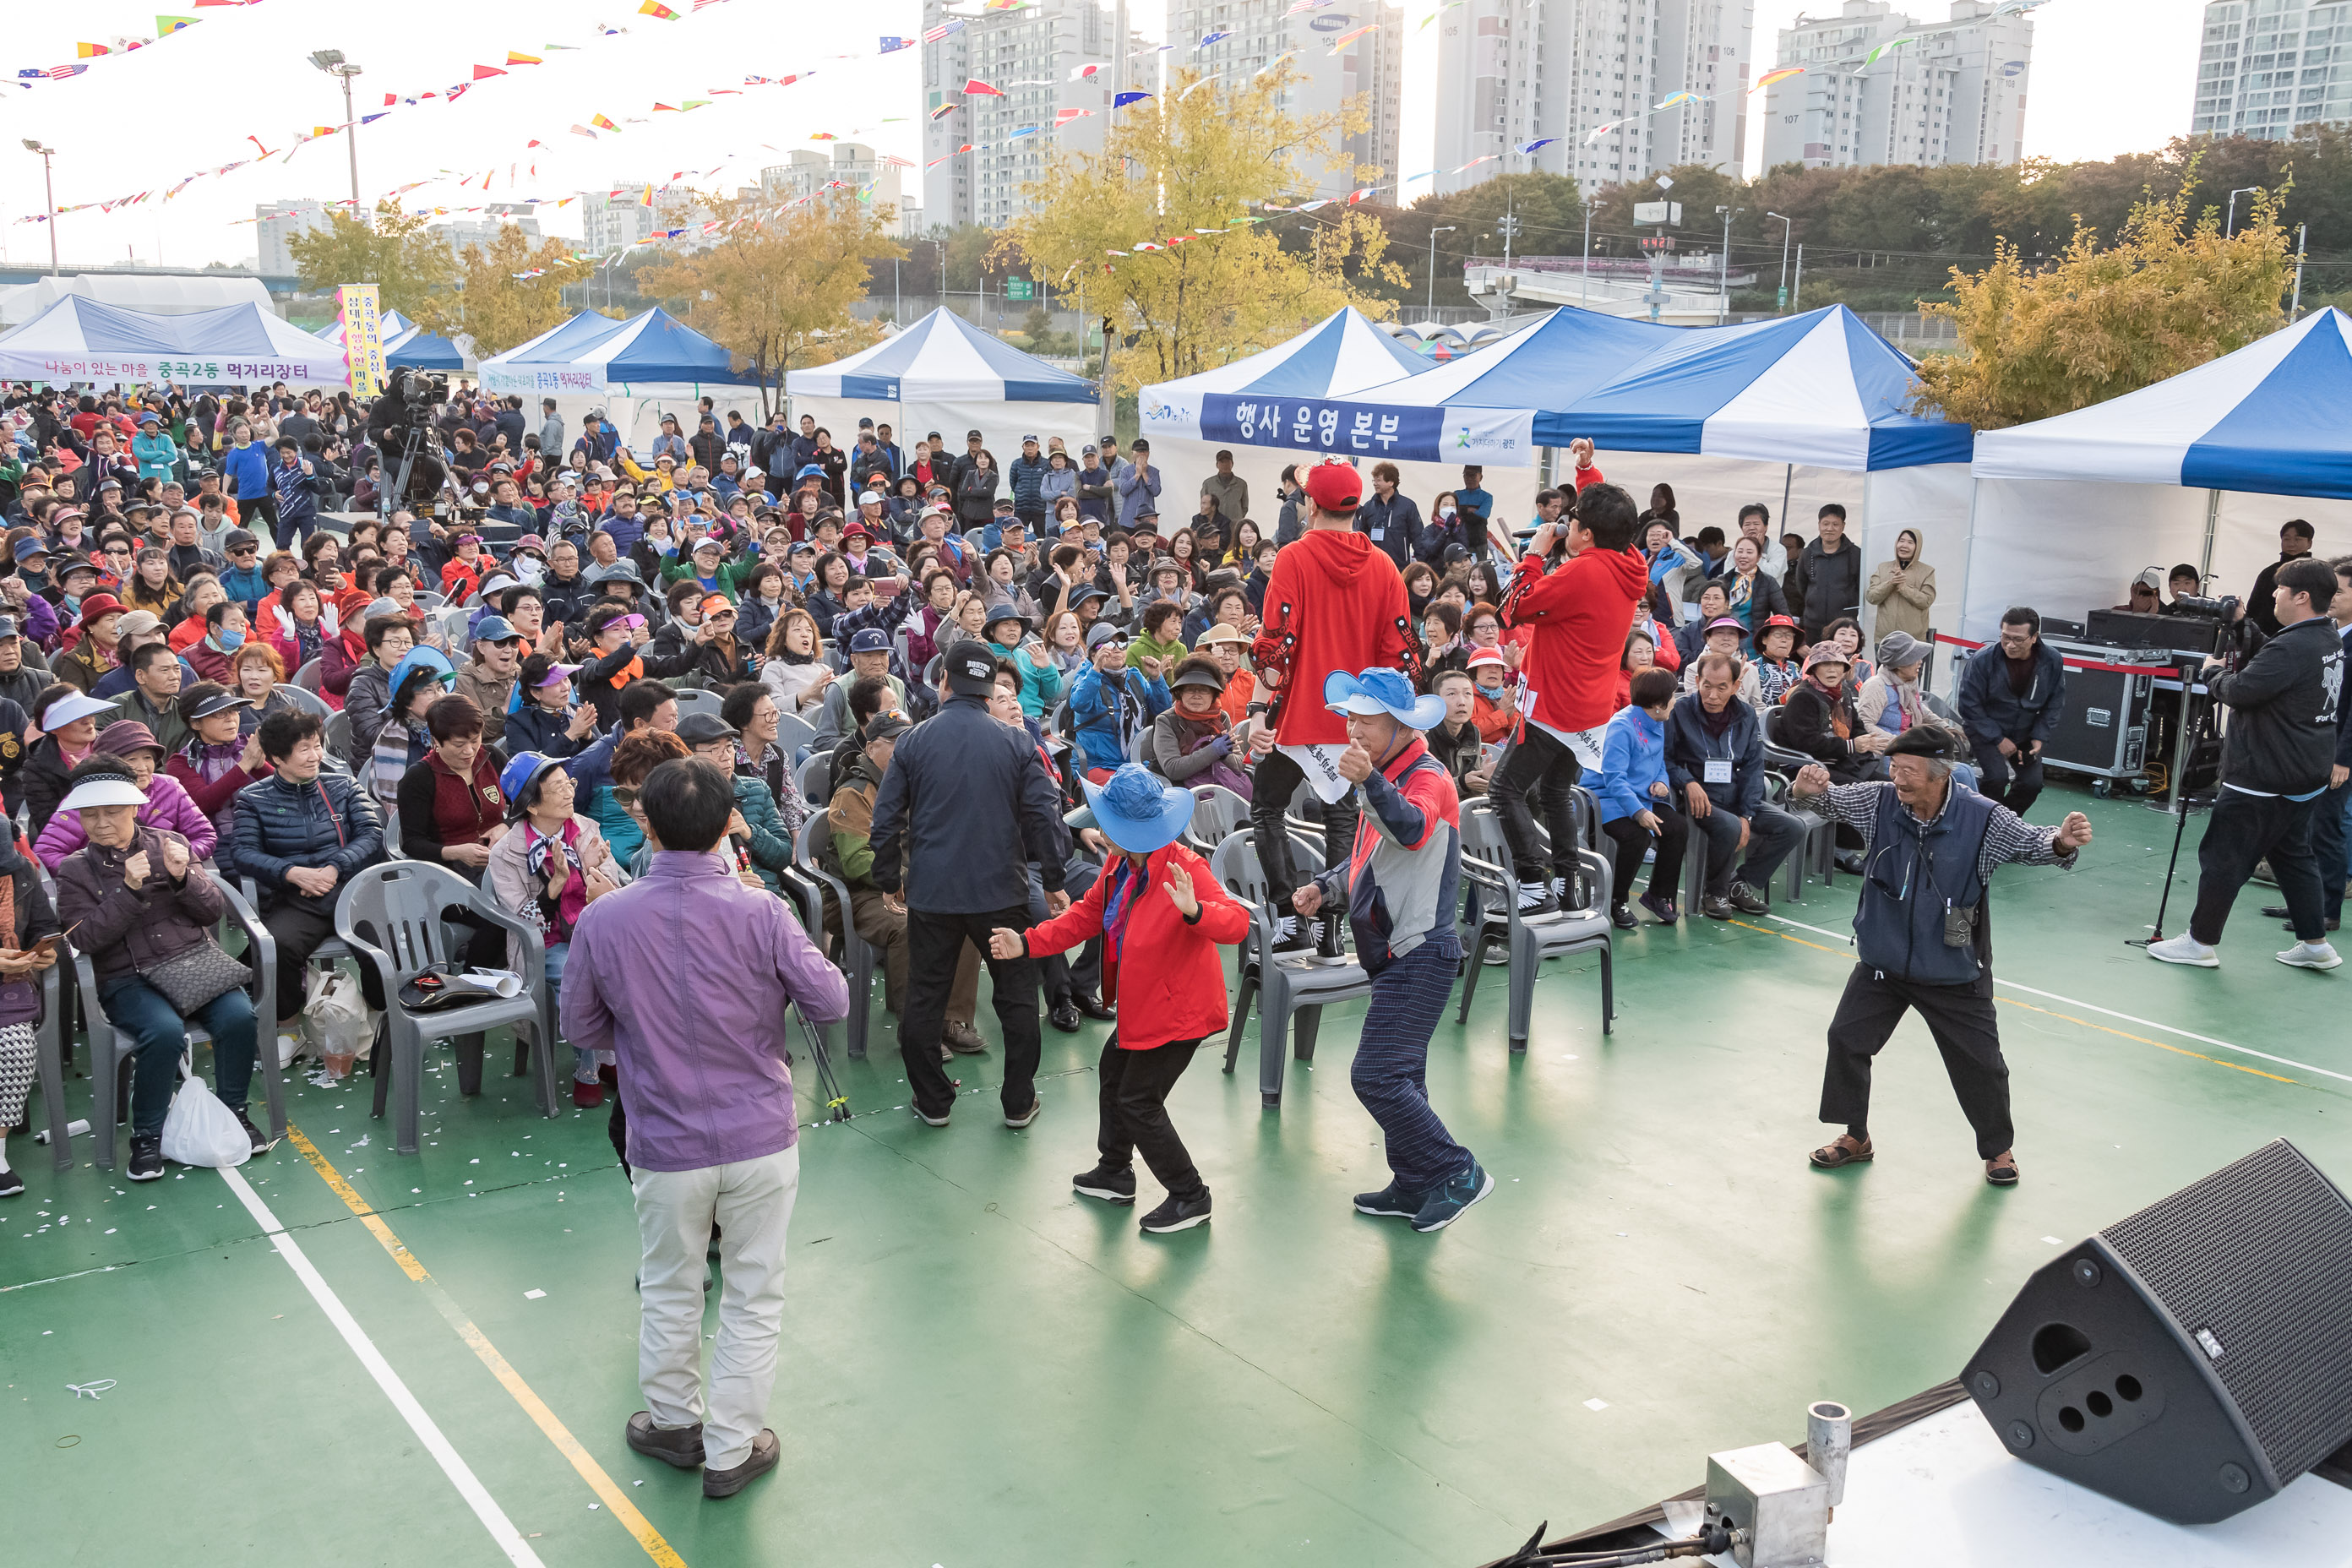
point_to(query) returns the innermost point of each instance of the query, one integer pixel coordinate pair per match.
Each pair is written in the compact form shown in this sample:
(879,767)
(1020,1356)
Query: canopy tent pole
(2213,524)
(1787,483)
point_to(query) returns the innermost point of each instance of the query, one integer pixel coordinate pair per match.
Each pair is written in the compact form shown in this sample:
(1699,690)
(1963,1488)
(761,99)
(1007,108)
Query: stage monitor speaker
(2193,1359)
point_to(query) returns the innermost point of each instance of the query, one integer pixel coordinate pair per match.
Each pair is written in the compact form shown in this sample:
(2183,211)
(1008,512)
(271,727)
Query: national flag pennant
(1783,74)
(166,26)
(1085,72)
(655,9)
(1209,38)
(1344,39)
(1124,99)
(1064,116)
(891,45)
(975,87)
(671,108)
(59,73)
(823,136)
(646,200)
(601,123)
(483,73)
(933,35)
(91,51)
(1539,141)
(516,58)
(944,110)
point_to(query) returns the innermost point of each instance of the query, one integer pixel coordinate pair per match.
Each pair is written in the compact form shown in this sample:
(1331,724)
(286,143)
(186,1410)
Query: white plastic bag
(201,1131)
(337,1027)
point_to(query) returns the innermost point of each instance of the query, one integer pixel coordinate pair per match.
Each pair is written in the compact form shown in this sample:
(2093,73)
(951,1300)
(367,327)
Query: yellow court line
(2049,1013)
(616,1501)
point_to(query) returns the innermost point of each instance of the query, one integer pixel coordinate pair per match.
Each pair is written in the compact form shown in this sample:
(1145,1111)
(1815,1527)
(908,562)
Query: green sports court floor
(982,1369)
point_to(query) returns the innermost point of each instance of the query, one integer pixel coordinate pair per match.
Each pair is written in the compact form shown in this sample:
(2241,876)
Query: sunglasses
(625,795)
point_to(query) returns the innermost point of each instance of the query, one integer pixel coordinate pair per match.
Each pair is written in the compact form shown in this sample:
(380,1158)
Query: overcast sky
(2109,75)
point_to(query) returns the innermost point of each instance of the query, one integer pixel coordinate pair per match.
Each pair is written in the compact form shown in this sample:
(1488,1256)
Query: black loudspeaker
(2193,1360)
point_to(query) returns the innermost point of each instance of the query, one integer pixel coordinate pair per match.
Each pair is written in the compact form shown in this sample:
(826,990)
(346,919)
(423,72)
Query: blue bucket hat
(1138,811)
(1382,691)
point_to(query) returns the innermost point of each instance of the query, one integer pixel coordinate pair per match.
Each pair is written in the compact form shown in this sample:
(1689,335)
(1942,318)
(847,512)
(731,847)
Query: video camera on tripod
(2238,637)
(400,425)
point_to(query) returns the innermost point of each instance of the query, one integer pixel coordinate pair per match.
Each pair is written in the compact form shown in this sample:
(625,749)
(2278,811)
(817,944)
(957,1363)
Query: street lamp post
(1723,270)
(1585,295)
(48,188)
(1446,228)
(2229,225)
(332,61)
(1787,228)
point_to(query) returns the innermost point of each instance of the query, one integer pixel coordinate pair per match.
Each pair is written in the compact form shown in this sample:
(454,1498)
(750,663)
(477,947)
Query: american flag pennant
(933,35)
(59,73)
(891,45)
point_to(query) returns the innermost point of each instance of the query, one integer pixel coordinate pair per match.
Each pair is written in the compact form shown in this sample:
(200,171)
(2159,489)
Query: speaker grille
(2258,1255)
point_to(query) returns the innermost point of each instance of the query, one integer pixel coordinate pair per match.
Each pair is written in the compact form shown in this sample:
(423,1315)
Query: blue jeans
(157,1035)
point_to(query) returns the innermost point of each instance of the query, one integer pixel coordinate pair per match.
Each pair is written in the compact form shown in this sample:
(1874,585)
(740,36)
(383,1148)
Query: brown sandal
(1841,1151)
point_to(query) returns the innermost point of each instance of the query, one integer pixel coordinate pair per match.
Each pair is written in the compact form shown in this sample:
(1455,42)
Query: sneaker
(1398,1202)
(765,1452)
(2185,949)
(1623,918)
(1178,1214)
(1327,936)
(1716,909)
(11,1183)
(927,1120)
(587,1093)
(1747,899)
(679,1446)
(1660,906)
(958,1036)
(2311,955)
(1036,1104)
(1535,899)
(146,1158)
(1559,889)
(1444,1204)
(1287,935)
(1111,1187)
(262,1141)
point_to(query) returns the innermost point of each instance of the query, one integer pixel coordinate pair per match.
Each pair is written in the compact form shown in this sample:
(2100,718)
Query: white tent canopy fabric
(161,296)
(78,340)
(943,374)
(653,355)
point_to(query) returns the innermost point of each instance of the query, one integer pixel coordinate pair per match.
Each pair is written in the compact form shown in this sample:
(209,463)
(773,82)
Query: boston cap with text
(971,670)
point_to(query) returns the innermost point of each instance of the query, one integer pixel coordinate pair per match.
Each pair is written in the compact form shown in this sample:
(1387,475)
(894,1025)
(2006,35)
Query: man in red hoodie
(1578,610)
(1334,601)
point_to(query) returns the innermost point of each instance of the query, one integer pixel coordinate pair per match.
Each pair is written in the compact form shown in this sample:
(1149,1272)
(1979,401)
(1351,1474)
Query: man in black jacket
(1829,574)
(964,809)
(1391,517)
(2010,697)
(2277,761)
(2295,538)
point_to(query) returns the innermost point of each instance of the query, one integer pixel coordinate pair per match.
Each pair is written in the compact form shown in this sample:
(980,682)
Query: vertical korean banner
(362,338)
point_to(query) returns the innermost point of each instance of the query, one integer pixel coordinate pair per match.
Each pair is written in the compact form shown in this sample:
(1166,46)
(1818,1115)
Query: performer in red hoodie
(1578,610)
(1333,602)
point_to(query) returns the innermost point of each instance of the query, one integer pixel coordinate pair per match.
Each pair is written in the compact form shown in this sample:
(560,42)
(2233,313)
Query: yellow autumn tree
(1179,176)
(2171,293)
(776,287)
(505,294)
(393,250)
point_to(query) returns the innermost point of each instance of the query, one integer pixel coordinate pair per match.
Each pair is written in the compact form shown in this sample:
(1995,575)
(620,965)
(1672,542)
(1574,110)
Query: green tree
(506,294)
(395,252)
(776,288)
(1179,177)
(2171,293)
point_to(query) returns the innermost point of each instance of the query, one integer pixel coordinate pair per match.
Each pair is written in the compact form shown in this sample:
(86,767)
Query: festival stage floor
(982,1369)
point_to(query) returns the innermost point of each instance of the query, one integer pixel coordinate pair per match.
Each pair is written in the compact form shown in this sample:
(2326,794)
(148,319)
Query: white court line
(2110,1012)
(461,1476)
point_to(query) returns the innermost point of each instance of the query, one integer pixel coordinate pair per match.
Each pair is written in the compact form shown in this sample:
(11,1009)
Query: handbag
(196,976)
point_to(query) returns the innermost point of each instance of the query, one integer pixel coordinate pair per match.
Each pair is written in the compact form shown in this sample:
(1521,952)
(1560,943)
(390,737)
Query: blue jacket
(1106,716)
(1138,487)
(245,471)
(1042,684)
(1028,480)
(247,586)
(963,811)
(1991,713)
(592,777)
(297,493)
(158,455)
(278,826)
(1632,758)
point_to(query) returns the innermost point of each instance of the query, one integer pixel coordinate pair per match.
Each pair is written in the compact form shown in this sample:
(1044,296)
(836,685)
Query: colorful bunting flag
(656,9)
(975,87)
(1344,39)
(1210,39)
(1124,99)
(483,73)
(516,58)
(933,35)
(1783,74)
(166,26)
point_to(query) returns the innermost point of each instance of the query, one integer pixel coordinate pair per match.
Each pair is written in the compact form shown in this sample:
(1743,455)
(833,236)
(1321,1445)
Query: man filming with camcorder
(2277,761)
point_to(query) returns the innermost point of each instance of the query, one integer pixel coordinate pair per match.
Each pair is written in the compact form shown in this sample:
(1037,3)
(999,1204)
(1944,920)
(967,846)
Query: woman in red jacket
(1160,898)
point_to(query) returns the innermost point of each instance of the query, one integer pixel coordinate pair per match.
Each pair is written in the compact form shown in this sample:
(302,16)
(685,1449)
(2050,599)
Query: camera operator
(2277,763)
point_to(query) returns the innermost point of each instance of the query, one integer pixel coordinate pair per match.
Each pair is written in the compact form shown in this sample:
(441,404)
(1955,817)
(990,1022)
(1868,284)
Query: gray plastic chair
(792,732)
(694,700)
(814,780)
(49,1045)
(858,956)
(308,677)
(1821,833)
(1530,939)
(306,699)
(108,1054)
(402,902)
(339,738)
(1216,812)
(1289,985)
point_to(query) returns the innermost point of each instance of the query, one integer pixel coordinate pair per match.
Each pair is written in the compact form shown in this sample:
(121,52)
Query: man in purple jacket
(684,974)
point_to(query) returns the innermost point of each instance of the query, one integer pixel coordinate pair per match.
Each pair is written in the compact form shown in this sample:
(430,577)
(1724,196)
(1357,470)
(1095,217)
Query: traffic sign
(1018,289)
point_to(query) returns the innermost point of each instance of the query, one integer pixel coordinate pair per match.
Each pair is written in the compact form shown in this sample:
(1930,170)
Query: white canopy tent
(160,296)
(2196,468)
(943,374)
(78,341)
(636,370)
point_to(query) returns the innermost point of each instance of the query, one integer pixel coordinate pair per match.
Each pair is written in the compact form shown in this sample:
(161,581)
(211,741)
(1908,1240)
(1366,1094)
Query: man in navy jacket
(2011,698)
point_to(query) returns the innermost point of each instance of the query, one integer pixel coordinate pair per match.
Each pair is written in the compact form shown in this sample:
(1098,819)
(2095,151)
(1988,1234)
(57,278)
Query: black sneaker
(1622,918)
(1064,1017)
(1392,1200)
(262,1141)
(1291,935)
(1178,1214)
(146,1158)
(11,1183)
(1747,899)
(1111,1187)
(1327,936)
(1444,1204)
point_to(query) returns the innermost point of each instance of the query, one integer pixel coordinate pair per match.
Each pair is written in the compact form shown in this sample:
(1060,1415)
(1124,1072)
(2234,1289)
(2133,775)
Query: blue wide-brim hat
(1138,810)
(1382,691)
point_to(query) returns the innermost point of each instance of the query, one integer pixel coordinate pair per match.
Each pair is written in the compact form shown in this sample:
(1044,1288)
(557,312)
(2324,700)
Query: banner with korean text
(362,315)
(1496,437)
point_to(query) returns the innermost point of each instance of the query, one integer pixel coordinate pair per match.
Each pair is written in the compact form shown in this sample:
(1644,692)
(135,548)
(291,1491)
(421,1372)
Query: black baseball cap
(971,670)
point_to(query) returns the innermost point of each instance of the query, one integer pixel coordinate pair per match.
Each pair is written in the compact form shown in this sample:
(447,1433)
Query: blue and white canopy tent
(78,341)
(943,374)
(636,370)
(2068,510)
(406,344)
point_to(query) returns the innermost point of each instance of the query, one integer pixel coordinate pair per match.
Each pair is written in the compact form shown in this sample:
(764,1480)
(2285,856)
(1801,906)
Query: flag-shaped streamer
(933,35)
(975,87)
(1525,147)
(517,58)
(166,26)
(891,45)
(1209,38)
(944,110)
(1783,74)
(601,123)
(1344,39)
(1124,99)
(656,9)
(1197,87)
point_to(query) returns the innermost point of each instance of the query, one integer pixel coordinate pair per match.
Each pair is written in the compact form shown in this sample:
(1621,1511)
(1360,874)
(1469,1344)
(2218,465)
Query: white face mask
(1445,511)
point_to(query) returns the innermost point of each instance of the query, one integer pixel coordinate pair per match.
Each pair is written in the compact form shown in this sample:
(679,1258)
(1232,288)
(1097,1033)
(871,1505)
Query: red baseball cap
(1335,487)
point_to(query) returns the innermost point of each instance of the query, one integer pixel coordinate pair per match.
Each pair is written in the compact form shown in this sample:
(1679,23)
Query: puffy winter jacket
(1028,479)
(326,821)
(123,931)
(1632,758)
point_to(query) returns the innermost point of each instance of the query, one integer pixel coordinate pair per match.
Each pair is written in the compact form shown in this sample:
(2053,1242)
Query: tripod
(423,442)
(2195,727)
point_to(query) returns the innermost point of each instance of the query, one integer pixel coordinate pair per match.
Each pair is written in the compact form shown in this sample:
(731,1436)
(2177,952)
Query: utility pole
(1723,269)
(49,188)
(1448,229)
(332,62)
(1509,227)
(1797,290)
(2294,311)
(1787,228)
(1585,295)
